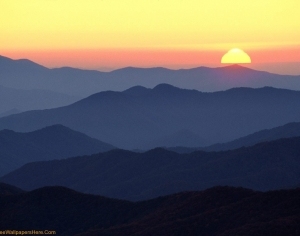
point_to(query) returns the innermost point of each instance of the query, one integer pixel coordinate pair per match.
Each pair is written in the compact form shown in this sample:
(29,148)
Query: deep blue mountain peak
(137,91)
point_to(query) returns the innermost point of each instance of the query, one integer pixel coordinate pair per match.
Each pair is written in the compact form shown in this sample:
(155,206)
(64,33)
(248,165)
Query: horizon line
(108,70)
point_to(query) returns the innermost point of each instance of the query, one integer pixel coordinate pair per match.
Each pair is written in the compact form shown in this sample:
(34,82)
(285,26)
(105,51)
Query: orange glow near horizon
(113,58)
(113,34)
(110,59)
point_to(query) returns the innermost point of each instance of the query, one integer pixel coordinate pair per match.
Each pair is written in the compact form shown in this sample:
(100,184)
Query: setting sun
(236,56)
(108,35)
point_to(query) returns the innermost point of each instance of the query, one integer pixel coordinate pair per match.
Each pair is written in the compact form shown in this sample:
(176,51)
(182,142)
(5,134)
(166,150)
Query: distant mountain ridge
(24,74)
(53,142)
(137,176)
(135,120)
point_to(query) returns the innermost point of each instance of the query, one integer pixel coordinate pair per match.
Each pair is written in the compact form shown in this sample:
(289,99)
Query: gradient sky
(102,34)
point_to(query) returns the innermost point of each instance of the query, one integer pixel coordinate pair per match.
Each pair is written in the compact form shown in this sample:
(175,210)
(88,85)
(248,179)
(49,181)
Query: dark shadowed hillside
(137,176)
(53,142)
(216,211)
(132,120)
(63,210)
(6,189)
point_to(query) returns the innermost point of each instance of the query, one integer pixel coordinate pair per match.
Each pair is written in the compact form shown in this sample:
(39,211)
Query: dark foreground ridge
(6,189)
(216,211)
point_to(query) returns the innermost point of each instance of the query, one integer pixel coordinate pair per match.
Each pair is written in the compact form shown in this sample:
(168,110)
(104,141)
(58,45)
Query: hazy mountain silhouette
(24,74)
(136,176)
(286,131)
(54,142)
(10,112)
(217,211)
(18,99)
(131,121)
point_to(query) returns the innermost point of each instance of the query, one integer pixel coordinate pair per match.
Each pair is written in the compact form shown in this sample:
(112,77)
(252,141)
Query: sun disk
(236,56)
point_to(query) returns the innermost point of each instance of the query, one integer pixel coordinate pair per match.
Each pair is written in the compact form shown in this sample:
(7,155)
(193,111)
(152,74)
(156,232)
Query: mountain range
(25,74)
(137,176)
(204,128)
(217,211)
(53,142)
(142,118)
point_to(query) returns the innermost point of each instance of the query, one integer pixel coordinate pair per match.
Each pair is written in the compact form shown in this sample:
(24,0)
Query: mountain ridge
(49,143)
(78,82)
(130,122)
(285,131)
(215,211)
(138,176)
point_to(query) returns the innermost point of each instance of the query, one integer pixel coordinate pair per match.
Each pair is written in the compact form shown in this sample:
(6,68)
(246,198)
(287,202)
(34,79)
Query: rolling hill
(132,120)
(137,176)
(216,211)
(53,142)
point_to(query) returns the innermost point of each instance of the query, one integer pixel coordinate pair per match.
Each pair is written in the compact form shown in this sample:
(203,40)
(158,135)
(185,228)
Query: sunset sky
(105,35)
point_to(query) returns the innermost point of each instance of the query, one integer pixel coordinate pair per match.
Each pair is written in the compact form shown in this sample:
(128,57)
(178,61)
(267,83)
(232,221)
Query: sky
(105,35)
